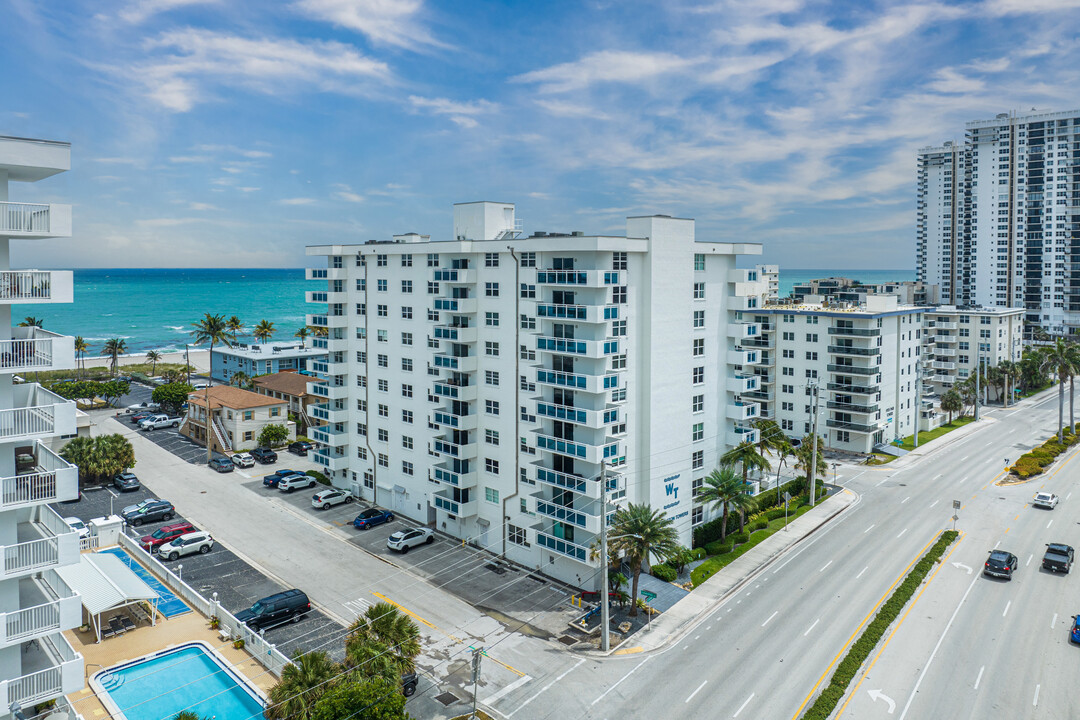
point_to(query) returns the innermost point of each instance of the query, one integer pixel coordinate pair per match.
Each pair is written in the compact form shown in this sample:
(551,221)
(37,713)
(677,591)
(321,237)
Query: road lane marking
(1035,700)
(695,692)
(775,613)
(935,502)
(1017,517)
(708,628)
(1006,610)
(547,687)
(818,535)
(1053,622)
(696,638)
(901,533)
(861,572)
(811,627)
(868,529)
(826,565)
(996,544)
(979,678)
(964,458)
(1068,496)
(617,682)
(905,500)
(965,478)
(506,690)
(1049,524)
(939,475)
(1007,530)
(1028,560)
(745,703)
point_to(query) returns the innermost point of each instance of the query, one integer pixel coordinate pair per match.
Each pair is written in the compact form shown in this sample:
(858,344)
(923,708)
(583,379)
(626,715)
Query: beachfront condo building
(496,385)
(861,360)
(999,217)
(263,359)
(956,340)
(37,663)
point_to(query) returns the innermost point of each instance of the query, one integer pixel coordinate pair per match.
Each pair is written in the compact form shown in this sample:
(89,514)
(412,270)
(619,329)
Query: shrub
(664,572)
(699,553)
(319,477)
(759,525)
(273,436)
(718,547)
(739,538)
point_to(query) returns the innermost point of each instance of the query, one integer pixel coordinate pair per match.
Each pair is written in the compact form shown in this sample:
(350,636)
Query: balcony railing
(852,407)
(59,608)
(37,412)
(852,350)
(855,332)
(35,219)
(584,313)
(854,369)
(567,515)
(29,286)
(54,544)
(856,427)
(563,547)
(455,507)
(51,479)
(63,675)
(855,389)
(584,278)
(32,348)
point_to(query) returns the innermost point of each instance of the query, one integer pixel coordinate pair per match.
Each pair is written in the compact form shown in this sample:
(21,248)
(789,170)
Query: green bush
(718,547)
(664,572)
(758,525)
(699,553)
(273,436)
(319,477)
(766,501)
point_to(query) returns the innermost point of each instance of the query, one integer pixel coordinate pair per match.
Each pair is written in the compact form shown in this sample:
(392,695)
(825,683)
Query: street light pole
(605,621)
(978,372)
(813,450)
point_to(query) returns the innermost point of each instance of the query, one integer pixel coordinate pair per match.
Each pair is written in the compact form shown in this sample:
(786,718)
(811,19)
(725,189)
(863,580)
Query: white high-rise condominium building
(480,384)
(957,339)
(36,662)
(1019,238)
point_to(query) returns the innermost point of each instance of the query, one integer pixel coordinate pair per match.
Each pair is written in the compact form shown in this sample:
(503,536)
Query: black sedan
(126,482)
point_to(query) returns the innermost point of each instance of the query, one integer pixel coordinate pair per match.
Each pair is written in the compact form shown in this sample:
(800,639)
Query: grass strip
(847,669)
(717,562)
(930,435)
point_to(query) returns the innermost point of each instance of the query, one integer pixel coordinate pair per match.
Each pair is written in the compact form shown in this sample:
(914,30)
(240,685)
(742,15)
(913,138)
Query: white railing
(27,556)
(61,612)
(53,479)
(25,285)
(17,354)
(24,217)
(23,422)
(64,677)
(222,436)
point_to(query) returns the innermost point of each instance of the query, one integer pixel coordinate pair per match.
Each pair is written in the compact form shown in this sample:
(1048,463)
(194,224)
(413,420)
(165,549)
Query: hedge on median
(847,669)
(1037,459)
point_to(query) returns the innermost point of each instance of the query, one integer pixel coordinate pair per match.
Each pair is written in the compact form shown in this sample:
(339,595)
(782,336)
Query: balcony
(445,418)
(853,350)
(36,413)
(759,394)
(462,306)
(464,451)
(587,383)
(328,413)
(49,479)
(443,501)
(324,296)
(36,286)
(455,333)
(34,220)
(453,276)
(579,313)
(583,451)
(575,346)
(761,341)
(946,340)
(852,426)
(457,479)
(946,325)
(945,352)
(44,542)
(329,435)
(741,330)
(741,384)
(463,363)
(578,278)
(854,369)
(330,391)
(50,667)
(571,516)
(325,274)
(743,357)
(331,458)
(563,547)
(854,389)
(448,388)
(855,332)
(580,416)
(742,410)
(738,435)
(34,349)
(46,605)
(745,300)
(939,365)
(853,407)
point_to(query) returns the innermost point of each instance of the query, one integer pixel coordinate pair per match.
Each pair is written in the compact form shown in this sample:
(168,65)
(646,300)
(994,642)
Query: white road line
(1006,610)
(1053,622)
(937,647)
(979,679)
(1049,524)
(882,482)
(708,628)
(965,478)
(617,682)
(964,458)
(996,544)
(1068,496)
(1028,560)
(775,613)
(109,490)
(745,703)
(695,692)
(901,533)
(508,689)
(826,565)
(818,535)
(868,529)
(696,638)
(936,501)
(939,475)
(548,686)
(905,500)
(811,627)
(1035,700)
(861,572)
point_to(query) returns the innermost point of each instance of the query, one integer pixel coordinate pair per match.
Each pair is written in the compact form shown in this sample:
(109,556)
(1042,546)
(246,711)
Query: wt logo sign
(672,489)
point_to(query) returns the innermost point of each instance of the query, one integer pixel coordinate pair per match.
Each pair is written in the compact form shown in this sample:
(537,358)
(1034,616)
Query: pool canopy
(105,584)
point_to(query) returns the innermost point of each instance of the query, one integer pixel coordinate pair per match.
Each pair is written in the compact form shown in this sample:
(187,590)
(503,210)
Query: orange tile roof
(289,383)
(231,397)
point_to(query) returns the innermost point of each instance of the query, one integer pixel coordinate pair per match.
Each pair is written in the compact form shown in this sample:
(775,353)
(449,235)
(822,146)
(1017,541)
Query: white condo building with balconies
(36,662)
(479,385)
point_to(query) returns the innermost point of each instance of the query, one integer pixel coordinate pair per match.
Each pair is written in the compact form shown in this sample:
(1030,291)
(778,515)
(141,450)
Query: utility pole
(978,372)
(813,451)
(605,621)
(477,653)
(187,363)
(918,398)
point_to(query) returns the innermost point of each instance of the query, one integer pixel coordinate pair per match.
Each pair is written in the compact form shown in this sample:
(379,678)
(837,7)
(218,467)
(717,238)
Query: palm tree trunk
(723,523)
(1072,418)
(742,520)
(633,595)
(1061,407)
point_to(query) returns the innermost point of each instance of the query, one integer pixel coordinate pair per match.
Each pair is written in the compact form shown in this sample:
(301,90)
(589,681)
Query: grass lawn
(925,437)
(879,459)
(715,562)
(1029,393)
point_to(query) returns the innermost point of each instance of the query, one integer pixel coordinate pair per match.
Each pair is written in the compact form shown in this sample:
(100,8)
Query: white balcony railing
(35,220)
(33,286)
(63,674)
(51,479)
(60,608)
(32,348)
(36,413)
(53,544)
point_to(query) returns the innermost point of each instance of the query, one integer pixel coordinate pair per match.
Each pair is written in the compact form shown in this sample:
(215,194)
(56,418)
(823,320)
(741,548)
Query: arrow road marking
(876,695)
(962,566)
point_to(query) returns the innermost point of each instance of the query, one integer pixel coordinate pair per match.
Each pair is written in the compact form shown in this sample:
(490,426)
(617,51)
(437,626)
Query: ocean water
(153,309)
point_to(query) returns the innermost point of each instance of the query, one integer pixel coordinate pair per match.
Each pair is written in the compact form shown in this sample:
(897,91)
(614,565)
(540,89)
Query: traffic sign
(648,595)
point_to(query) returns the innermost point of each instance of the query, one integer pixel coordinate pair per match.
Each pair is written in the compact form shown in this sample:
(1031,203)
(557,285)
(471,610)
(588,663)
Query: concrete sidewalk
(670,626)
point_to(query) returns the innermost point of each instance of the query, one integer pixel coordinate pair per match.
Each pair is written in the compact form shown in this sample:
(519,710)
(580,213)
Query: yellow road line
(508,667)
(1007,530)
(860,627)
(898,624)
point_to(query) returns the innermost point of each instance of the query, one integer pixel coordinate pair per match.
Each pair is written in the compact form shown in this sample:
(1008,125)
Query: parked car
(372,517)
(289,483)
(1074,631)
(147,407)
(126,482)
(156,422)
(153,511)
(186,544)
(1045,500)
(402,540)
(243,460)
(328,498)
(1058,558)
(222,464)
(272,480)
(409,682)
(264,455)
(276,610)
(136,507)
(78,526)
(164,534)
(1000,564)
(300,447)
(142,415)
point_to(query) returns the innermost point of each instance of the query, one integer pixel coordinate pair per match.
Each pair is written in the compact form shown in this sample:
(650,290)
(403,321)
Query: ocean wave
(177,328)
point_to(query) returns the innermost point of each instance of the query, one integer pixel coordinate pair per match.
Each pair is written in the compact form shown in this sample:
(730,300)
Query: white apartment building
(480,384)
(1020,235)
(955,339)
(770,276)
(862,359)
(36,662)
(941,257)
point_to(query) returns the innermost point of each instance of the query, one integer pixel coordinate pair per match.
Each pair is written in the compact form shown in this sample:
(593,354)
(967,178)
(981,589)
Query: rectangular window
(698,404)
(432,288)
(618,294)
(491,495)
(492,466)
(362,454)
(380,285)
(406,442)
(698,432)
(406,467)
(618,328)
(433,260)
(384,461)
(406,261)
(382,310)
(528,323)
(699,318)
(384,386)
(406,312)
(406,338)
(491,259)
(491,319)
(249,435)
(528,259)
(491,377)
(406,391)
(406,364)
(384,361)
(382,336)
(618,362)
(491,437)
(491,289)
(384,435)
(361,429)
(380,260)
(699,347)
(433,315)
(361,356)
(697,460)
(407,416)
(698,376)
(406,286)
(528,291)
(526,354)
(361,405)
(811,355)
(699,261)
(516,535)
(618,261)
(491,407)
(361,308)
(248,414)
(699,291)
(491,348)
(275,412)
(697,515)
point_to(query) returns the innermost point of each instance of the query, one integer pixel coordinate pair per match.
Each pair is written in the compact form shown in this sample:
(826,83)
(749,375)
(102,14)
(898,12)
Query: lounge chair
(127,622)
(107,632)
(116,625)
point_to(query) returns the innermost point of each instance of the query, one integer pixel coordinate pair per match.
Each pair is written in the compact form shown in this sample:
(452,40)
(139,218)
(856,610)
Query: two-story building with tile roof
(236,417)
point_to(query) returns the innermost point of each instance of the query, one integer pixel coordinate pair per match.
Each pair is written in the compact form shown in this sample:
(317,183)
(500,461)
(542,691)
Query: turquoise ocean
(153,309)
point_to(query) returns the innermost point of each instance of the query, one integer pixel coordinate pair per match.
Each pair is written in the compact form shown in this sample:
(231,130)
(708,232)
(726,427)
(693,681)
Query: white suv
(243,460)
(295,482)
(186,544)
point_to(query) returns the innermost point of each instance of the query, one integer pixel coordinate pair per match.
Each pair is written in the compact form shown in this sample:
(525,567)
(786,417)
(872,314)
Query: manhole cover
(446,698)
(568,640)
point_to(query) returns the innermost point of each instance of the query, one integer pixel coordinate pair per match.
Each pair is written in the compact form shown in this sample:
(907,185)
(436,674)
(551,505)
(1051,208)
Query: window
(516,535)
(526,354)
(384,435)
(384,361)
(406,261)
(491,437)
(380,260)
(697,515)
(433,260)
(361,405)
(491,348)
(699,318)
(698,375)
(492,466)
(384,410)
(337,262)
(382,336)
(811,355)
(361,356)
(406,442)
(361,381)
(699,291)
(407,416)
(789,335)
(491,289)
(406,338)
(491,377)
(787,354)
(384,461)
(406,364)
(491,259)
(618,294)
(384,386)
(275,412)
(380,285)
(433,315)
(528,259)
(249,414)
(787,389)
(406,312)
(618,328)
(491,407)
(528,291)
(406,286)
(362,454)
(698,432)
(528,323)
(697,460)
(811,337)
(811,373)
(698,404)
(491,319)
(249,435)
(526,385)
(790,371)
(361,284)
(787,425)
(382,310)
(618,261)
(618,362)
(699,261)
(361,308)
(699,347)
(811,319)
(432,288)
(696,486)
(406,391)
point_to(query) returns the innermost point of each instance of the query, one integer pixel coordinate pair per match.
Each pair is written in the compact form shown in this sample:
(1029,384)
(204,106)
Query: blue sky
(235,132)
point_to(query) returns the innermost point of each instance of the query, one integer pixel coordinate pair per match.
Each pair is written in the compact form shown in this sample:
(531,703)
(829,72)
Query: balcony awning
(105,583)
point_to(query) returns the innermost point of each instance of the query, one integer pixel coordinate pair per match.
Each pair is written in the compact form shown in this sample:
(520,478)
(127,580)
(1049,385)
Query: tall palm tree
(302,333)
(1059,359)
(1009,371)
(153,357)
(746,456)
(721,490)
(241,380)
(771,440)
(804,455)
(31,321)
(642,533)
(383,641)
(951,403)
(213,329)
(235,326)
(80,352)
(114,348)
(1074,353)
(263,331)
(301,685)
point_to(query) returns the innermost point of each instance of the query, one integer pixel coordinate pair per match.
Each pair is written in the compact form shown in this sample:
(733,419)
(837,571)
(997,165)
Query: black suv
(150,511)
(300,447)
(264,455)
(1058,557)
(276,610)
(1000,564)
(126,482)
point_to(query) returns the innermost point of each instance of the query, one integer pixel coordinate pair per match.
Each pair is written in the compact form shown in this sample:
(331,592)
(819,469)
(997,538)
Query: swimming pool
(187,677)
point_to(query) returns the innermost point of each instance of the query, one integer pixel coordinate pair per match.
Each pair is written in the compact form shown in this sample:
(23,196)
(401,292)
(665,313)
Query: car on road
(156,422)
(402,540)
(372,517)
(297,481)
(142,415)
(1058,557)
(266,456)
(1045,500)
(300,447)
(222,464)
(1074,631)
(164,534)
(153,511)
(78,526)
(328,498)
(275,610)
(272,480)
(126,482)
(243,460)
(193,542)
(1000,564)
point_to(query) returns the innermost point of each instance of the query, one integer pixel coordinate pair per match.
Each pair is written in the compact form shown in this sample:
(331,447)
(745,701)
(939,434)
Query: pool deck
(146,640)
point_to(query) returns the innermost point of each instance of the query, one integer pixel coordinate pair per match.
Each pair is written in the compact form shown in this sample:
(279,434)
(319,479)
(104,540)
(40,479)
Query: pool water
(185,678)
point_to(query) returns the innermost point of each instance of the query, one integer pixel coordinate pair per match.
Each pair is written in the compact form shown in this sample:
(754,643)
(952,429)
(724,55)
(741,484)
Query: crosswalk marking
(358,606)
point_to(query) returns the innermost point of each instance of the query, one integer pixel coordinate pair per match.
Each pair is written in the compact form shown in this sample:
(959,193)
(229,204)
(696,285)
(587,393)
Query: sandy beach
(200,359)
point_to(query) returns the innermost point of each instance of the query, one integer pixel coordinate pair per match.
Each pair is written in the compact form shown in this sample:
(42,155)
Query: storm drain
(568,640)
(447,698)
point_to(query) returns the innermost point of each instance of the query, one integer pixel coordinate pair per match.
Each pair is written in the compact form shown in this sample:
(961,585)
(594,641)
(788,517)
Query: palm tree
(1059,359)
(966,391)
(771,439)
(382,642)
(951,402)
(214,330)
(804,455)
(301,685)
(642,533)
(1009,371)
(302,333)
(235,326)
(263,331)
(114,348)
(152,357)
(31,321)
(80,352)
(722,489)
(188,715)
(746,455)
(1074,353)
(241,380)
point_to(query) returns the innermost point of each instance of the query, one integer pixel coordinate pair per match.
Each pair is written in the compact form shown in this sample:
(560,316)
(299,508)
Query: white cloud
(611,66)
(118,160)
(384,22)
(202,206)
(190,158)
(140,10)
(344,192)
(562,108)
(462,113)
(248,189)
(297,201)
(949,80)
